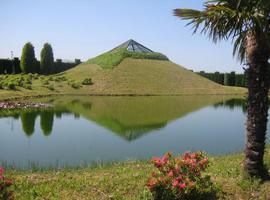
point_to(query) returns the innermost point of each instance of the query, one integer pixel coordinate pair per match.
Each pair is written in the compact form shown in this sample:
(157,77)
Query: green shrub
(11,86)
(87,81)
(60,79)
(42,77)
(16,82)
(36,76)
(75,85)
(28,81)
(70,82)
(50,87)
(181,178)
(45,82)
(21,81)
(27,86)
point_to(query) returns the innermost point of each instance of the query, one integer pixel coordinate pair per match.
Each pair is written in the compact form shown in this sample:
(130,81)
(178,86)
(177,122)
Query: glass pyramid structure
(133,46)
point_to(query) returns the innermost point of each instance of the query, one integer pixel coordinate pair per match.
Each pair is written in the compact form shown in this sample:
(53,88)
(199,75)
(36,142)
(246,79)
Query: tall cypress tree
(28,122)
(226,79)
(28,60)
(46,59)
(46,121)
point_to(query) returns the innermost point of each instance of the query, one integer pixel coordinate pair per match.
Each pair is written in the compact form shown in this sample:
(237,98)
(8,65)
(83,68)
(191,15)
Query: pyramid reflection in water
(128,117)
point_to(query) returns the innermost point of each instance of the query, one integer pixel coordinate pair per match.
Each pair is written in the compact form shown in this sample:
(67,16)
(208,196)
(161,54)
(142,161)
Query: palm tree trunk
(257,111)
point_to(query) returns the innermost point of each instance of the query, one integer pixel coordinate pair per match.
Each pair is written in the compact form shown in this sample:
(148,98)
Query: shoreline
(34,167)
(128,179)
(22,105)
(27,97)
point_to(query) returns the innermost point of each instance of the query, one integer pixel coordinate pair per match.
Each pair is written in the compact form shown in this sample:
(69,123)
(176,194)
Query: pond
(78,131)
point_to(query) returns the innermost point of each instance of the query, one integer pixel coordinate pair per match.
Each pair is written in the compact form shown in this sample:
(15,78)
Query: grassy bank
(127,181)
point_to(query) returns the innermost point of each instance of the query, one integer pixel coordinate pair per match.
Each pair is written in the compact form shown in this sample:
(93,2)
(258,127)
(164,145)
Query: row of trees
(10,66)
(29,64)
(28,120)
(228,79)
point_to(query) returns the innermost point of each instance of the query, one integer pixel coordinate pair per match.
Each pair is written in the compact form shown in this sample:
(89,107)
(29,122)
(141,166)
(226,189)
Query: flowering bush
(4,185)
(181,178)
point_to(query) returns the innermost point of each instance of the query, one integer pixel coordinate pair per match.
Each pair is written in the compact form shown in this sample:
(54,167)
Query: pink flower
(8,182)
(157,161)
(175,183)
(152,183)
(161,179)
(177,169)
(203,162)
(170,174)
(165,158)
(2,170)
(179,178)
(193,155)
(186,155)
(182,186)
(192,162)
(154,174)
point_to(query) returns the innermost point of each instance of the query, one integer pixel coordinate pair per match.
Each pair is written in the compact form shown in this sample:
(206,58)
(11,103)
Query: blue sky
(86,28)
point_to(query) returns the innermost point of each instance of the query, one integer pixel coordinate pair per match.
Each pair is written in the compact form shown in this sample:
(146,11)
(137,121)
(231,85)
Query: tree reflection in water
(128,117)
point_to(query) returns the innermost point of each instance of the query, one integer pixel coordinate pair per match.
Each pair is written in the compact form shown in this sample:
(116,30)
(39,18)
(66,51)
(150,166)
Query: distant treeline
(233,103)
(228,79)
(29,64)
(8,66)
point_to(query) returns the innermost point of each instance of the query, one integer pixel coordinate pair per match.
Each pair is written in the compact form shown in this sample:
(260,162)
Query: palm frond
(224,19)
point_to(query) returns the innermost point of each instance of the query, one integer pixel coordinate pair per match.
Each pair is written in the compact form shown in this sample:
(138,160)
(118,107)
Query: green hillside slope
(145,76)
(111,59)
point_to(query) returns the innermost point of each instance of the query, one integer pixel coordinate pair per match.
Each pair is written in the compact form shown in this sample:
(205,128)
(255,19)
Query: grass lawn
(127,181)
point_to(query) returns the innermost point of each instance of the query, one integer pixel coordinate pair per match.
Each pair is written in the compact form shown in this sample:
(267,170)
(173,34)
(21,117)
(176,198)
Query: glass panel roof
(134,46)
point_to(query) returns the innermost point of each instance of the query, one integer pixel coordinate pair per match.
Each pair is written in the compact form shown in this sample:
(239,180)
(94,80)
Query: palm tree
(247,24)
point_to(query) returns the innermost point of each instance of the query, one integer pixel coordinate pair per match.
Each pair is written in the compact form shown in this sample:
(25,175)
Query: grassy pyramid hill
(129,69)
(142,72)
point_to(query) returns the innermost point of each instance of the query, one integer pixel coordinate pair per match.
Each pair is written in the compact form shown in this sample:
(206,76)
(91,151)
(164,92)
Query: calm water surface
(82,130)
